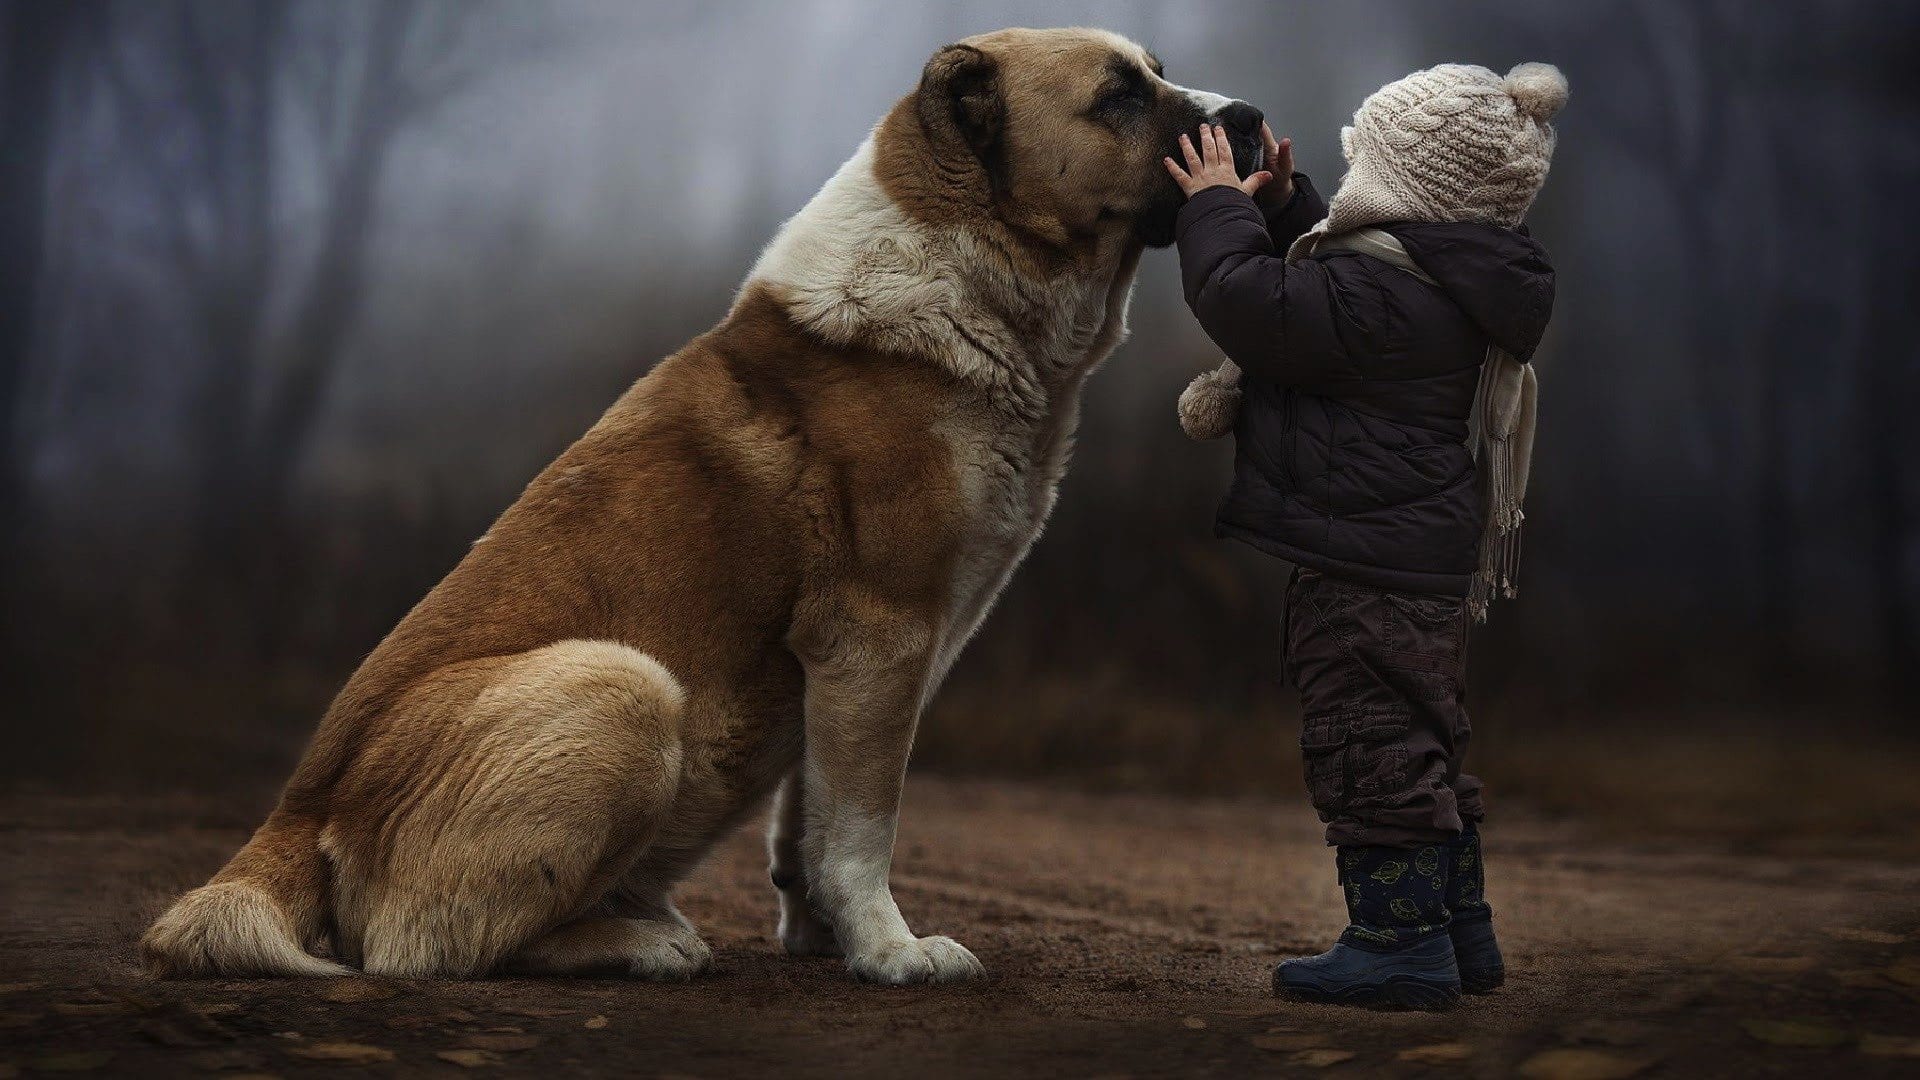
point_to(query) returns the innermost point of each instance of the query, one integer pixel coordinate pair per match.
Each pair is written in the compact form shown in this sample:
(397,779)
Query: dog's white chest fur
(853,268)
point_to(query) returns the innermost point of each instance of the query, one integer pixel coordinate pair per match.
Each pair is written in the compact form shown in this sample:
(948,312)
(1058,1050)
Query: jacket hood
(1500,277)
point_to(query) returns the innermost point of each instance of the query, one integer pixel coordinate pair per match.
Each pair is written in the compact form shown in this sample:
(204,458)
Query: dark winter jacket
(1358,378)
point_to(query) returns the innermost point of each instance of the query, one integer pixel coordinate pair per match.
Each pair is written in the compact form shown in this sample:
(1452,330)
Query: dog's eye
(1125,94)
(1122,99)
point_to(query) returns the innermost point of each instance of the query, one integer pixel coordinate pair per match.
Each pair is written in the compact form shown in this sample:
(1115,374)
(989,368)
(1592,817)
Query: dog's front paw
(925,960)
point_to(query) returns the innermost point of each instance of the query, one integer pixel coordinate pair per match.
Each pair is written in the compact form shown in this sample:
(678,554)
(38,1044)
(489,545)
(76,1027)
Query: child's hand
(1212,165)
(1278,161)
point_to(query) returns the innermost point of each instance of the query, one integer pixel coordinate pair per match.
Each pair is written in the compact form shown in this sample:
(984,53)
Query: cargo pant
(1381,677)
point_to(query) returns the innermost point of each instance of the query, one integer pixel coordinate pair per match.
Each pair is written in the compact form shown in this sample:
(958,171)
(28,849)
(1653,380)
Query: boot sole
(1408,994)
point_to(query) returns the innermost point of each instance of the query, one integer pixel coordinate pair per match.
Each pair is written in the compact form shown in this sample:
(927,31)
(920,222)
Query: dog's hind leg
(551,779)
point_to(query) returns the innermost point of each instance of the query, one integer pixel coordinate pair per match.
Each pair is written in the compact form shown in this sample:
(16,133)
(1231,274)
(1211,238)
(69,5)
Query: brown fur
(756,550)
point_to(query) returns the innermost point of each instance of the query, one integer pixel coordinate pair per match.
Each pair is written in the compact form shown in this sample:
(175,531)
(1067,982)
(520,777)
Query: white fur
(855,859)
(852,267)
(1206,100)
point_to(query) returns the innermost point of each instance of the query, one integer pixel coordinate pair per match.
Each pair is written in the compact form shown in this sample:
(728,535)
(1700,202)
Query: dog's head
(1061,132)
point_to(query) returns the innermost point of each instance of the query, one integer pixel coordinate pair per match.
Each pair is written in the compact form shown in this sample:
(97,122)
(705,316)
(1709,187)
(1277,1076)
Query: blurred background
(297,296)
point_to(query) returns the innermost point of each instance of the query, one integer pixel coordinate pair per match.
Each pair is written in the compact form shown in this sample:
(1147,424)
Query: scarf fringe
(1501,437)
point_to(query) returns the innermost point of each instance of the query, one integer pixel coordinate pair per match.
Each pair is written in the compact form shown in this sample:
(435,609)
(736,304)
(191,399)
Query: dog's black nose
(1240,118)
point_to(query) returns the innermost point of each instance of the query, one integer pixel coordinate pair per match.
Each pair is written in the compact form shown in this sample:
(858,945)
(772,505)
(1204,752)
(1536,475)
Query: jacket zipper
(1289,401)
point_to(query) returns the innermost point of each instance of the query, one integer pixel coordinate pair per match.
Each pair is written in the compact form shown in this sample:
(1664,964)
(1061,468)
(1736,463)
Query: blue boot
(1395,952)
(1481,968)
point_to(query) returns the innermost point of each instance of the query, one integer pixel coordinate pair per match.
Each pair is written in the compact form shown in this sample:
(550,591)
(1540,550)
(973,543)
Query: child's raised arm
(1272,318)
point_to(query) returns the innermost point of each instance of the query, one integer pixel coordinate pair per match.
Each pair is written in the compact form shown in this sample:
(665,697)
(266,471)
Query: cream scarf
(1499,429)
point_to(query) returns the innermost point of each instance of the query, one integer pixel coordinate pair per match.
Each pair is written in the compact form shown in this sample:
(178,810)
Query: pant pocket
(1376,752)
(1416,677)
(1323,740)
(1354,757)
(1420,625)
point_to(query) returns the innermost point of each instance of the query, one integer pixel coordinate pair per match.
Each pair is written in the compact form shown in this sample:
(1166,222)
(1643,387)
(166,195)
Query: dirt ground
(1126,935)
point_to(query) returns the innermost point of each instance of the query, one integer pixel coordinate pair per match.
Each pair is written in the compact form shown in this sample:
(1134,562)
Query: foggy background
(297,296)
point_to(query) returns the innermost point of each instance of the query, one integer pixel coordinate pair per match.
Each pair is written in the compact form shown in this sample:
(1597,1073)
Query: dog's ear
(961,106)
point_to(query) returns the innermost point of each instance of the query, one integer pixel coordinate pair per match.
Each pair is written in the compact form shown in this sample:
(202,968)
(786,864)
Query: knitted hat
(1452,143)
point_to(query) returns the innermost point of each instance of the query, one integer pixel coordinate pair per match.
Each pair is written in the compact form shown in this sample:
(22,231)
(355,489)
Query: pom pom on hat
(1539,90)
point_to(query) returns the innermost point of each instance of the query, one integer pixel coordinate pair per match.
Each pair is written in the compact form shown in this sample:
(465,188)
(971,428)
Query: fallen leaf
(536,1011)
(1905,971)
(472,1059)
(1575,1063)
(89,1008)
(346,1053)
(195,1020)
(1865,936)
(458,1016)
(1266,1007)
(1287,1042)
(214,1060)
(168,1034)
(1890,1045)
(1193,1023)
(1795,1033)
(507,1029)
(1608,1032)
(1772,965)
(507,1043)
(83,1061)
(1320,1059)
(218,1008)
(141,1002)
(1860,978)
(348,991)
(595,1022)
(1447,1053)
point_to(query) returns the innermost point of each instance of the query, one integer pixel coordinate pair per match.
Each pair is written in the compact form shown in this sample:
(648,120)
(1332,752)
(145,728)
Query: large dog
(751,574)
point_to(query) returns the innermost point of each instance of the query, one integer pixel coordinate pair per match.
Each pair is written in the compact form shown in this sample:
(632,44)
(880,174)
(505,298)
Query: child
(1384,354)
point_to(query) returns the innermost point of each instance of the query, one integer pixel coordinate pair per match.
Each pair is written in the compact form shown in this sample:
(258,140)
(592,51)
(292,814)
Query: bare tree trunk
(38,39)
(1774,360)
(235,100)
(320,323)
(238,76)
(304,359)
(39,35)
(1889,392)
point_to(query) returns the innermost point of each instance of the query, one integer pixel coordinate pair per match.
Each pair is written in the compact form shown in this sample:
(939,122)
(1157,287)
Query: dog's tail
(256,917)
